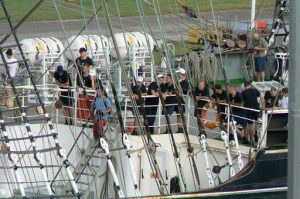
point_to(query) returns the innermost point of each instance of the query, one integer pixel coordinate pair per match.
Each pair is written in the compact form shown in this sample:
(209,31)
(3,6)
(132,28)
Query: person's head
(273,91)
(218,89)
(201,85)
(247,85)
(285,91)
(86,68)
(169,79)
(181,73)
(160,78)
(231,90)
(82,52)
(9,52)
(60,69)
(256,36)
(139,81)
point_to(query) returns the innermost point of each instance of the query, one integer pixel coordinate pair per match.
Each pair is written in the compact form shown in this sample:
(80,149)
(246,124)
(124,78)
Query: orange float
(207,123)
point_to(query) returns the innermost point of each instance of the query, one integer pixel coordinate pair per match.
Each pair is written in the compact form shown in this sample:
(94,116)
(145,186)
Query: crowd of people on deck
(172,93)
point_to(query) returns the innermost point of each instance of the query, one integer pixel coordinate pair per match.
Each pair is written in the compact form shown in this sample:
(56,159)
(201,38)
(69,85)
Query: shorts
(260,64)
(66,98)
(251,115)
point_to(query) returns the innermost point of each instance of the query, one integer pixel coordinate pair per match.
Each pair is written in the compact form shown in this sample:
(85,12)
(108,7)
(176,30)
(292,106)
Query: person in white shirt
(12,65)
(284,102)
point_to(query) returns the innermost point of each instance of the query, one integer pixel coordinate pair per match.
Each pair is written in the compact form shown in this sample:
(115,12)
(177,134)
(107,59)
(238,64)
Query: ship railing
(191,120)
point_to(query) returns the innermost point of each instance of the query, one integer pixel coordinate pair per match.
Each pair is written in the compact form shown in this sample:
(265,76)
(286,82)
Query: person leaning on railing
(184,85)
(139,101)
(239,114)
(220,96)
(271,98)
(202,95)
(284,101)
(151,103)
(63,80)
(87,80)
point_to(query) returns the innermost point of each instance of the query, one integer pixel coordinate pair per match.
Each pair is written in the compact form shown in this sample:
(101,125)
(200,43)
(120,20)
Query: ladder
(35,152)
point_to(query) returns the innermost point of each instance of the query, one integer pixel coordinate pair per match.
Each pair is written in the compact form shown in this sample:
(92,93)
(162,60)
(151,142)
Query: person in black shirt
(87,80)
(201,92)
(250,96)
(184,84)
(220,96)
(270,98)
(139,101)
(139,86)
(152,102)
(63,79)
(170,100)
(82,60)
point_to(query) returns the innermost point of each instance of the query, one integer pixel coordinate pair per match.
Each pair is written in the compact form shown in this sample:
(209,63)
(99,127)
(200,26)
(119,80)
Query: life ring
(207,123)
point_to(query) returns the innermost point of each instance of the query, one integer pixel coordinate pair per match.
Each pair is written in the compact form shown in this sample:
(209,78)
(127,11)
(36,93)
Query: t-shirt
(250,96)
(87,81)
(184,86)
(12,67)
(170,89)
(100,107)
(238,99)
(143,89)
(284,102)
(202,93)
(153,86)
(221,96)
(80,63)
(63,78)
(260,43)
(270,100)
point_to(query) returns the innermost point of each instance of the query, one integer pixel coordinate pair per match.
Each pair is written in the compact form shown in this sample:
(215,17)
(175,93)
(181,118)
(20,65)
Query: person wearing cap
(152,102)
(63,80)
(82,60)
(184,84)
(250,96)
(139,87)
(11,62)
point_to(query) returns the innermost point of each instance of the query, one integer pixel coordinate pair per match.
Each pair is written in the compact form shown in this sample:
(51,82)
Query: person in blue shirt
(101,109)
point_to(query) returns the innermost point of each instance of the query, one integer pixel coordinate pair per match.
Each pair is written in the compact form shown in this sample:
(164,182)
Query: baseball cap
(82,50)
(160,76)
(59,68)
(140,79)
(180,70)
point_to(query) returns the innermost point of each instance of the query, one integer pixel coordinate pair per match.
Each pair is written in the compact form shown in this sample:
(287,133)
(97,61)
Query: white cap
(180,70)
(140,79)
(160,76)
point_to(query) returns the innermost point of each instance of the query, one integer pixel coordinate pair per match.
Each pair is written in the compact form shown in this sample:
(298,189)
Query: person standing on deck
(250,101)
(271,98)
(101,108)
(260,46)
(81,61)
(239,114)
(139,101)
(87,80)
(153,102)
(184,84)
(202,95)
(63,80)
(220,96)
(284,102)
(12,66)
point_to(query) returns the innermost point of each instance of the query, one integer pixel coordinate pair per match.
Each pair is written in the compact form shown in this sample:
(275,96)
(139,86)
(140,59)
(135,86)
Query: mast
(294,103)
(253,10)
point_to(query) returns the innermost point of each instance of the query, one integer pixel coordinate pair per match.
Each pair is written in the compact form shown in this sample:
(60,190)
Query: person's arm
(74,73)
(108,106)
